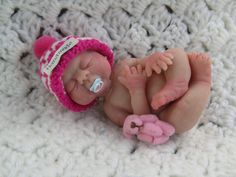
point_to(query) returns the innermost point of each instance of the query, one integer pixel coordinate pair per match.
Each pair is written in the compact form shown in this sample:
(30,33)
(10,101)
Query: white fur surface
(38,138)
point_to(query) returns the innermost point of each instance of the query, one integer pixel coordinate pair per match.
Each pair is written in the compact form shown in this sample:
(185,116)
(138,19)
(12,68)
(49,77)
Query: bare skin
(188,108)
(81,72)
(183,113)
(131,91)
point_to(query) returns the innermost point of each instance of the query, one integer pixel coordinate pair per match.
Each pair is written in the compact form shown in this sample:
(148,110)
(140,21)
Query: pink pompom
(42,44)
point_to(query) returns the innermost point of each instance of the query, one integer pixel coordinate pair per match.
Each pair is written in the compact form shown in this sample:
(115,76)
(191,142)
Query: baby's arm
(114,113)
(139,102)
(134,79)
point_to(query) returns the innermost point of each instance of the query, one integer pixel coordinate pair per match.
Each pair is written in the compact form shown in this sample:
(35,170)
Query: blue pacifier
(97,85)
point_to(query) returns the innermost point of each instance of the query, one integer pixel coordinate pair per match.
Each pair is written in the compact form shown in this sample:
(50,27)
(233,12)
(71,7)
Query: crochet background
(40,138)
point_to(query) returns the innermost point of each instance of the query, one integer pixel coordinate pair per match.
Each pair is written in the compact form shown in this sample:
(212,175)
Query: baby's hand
(157,62)
(133,78)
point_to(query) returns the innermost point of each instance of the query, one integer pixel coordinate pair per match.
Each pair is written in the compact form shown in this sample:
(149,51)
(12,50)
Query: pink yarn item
(46,47)
(42,44)
(147,128)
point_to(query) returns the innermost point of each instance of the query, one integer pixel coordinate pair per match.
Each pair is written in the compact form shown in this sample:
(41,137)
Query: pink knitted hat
(55,55)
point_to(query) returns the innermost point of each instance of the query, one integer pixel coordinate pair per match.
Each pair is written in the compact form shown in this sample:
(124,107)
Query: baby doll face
(81,73)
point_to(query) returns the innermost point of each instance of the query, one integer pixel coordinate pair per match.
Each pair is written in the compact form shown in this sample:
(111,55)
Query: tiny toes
(192,55)
(154,105)
(158,102)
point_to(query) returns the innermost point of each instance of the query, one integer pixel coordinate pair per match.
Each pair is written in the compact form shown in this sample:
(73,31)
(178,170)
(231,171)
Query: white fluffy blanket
(39,138)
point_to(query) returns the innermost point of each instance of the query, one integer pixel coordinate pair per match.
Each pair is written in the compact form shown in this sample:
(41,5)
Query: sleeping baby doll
(151,97)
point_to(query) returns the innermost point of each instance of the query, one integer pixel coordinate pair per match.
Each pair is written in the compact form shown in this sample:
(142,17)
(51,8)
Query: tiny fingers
(157,69)
(148,70)
(162,65)
(133,70)
(139,68)
(127,70)
(144,73)
(167,60)
(168,55)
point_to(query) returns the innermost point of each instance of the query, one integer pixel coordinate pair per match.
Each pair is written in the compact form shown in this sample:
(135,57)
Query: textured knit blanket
(39,138)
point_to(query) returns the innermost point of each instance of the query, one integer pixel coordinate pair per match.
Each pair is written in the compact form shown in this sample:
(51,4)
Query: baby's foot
(170,92)
(200,67)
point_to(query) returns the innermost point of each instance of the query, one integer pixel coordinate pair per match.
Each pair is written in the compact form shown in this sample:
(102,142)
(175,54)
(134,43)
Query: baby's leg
(184,113)
(177,79)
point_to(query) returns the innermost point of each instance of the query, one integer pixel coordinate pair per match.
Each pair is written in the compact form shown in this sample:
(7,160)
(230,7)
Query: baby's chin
(88,98)
(85,101)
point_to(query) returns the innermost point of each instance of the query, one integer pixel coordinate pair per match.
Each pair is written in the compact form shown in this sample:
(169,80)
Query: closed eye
(85,63)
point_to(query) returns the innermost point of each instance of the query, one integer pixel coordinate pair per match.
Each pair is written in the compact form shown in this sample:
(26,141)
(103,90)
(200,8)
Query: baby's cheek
(82,97)
(70,86)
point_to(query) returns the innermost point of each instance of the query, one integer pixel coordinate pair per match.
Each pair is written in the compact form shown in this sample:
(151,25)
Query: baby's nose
(82,76)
